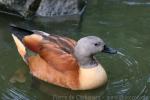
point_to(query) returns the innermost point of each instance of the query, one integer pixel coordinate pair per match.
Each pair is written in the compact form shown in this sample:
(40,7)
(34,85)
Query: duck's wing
(57,51)
(53,60)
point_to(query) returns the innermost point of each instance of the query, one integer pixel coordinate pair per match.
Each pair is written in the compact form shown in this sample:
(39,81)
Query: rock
(21,7)
(58,7)
(44,8)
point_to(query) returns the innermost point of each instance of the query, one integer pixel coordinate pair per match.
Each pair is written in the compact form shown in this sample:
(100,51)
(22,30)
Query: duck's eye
(97,44)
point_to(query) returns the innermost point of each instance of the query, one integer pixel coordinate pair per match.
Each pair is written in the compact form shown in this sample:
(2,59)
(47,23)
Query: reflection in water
(136,3)
(19,76)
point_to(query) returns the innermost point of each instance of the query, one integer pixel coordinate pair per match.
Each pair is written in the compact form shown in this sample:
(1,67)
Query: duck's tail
(18,33)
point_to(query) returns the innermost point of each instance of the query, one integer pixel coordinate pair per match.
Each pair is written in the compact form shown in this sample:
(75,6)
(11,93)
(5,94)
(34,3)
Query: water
(123,24)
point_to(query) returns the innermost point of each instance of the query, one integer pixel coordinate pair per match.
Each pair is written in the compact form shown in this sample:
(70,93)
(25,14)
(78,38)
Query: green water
(123,24)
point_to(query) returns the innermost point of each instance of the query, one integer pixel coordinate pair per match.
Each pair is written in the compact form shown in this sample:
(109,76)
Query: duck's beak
(109,50)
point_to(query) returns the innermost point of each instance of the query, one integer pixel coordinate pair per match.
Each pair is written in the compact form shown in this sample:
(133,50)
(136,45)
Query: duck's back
(53,60)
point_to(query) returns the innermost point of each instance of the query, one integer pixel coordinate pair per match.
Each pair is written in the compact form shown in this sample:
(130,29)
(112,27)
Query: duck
(60,60)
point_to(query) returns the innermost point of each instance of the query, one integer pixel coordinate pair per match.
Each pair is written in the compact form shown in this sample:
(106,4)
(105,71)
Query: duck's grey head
(89,46)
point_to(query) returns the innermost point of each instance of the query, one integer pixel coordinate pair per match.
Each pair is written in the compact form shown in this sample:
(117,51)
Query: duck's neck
(86,61)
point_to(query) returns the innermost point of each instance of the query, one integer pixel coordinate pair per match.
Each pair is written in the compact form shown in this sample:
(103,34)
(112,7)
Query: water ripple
(130,61)
(14,94)
(120,86)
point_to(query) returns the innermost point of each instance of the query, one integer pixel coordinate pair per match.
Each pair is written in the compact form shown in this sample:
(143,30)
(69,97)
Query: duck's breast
(90,78)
